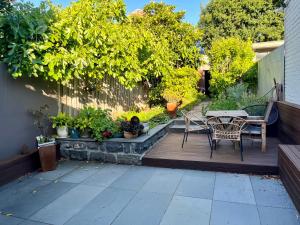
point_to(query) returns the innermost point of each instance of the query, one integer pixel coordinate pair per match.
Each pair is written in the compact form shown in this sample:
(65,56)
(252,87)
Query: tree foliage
(23,30)
(167,24)
(231,61)
(93,39)
(257,20)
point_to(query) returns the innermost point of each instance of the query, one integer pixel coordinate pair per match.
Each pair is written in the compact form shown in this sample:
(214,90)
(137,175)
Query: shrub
(236,97)
(231,61)
(182,84)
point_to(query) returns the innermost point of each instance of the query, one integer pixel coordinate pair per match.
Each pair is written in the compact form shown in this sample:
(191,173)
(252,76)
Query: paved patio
(80,193)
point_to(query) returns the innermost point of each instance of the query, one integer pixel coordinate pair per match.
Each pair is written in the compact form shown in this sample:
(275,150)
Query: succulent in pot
(132,128)
(61,122)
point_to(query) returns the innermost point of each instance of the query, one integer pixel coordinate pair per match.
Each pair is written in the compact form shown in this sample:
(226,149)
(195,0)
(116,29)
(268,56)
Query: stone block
(78,155)
(130,159)
(114,147)
(92,145)
(79,145)
(97,156)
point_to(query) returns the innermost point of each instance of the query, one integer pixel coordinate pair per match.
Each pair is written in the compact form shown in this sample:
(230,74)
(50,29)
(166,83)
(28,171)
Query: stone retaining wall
(115,150)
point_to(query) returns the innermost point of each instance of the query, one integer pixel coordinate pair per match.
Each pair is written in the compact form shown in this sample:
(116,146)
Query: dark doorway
(207,77)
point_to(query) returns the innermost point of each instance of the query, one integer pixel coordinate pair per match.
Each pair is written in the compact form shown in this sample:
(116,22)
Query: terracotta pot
(172,109)
(48,157)
(129,135)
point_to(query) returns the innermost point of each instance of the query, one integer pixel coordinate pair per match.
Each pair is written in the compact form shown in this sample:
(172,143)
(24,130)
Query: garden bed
(114,150)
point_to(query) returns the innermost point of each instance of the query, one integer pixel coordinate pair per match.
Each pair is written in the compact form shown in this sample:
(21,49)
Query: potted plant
(61,122)
(84,120)
(132,128)
(173,101)
(46,145)
(74,132)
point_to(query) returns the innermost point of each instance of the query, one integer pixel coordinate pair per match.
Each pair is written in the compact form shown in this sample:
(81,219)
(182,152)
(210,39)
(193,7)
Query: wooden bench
(289,170)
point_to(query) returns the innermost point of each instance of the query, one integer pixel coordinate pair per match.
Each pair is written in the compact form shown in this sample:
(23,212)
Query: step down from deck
(178,125)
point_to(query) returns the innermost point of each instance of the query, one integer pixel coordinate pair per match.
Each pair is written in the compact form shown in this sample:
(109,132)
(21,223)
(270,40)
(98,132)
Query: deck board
(196,155)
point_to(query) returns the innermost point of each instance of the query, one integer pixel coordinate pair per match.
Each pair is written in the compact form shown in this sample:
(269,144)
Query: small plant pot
(118,135)
(129,135)
(74,133)
(86,133)
(47,153)
(146,128)
(62,132)
(172,109)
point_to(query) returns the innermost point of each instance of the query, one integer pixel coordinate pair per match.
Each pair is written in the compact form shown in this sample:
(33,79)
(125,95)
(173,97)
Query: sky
(192,7)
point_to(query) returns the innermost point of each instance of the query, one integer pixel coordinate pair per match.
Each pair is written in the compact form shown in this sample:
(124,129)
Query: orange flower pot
(172,109)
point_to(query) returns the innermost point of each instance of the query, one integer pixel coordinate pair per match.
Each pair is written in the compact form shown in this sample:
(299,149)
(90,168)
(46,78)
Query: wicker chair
(194,124)
(231,131)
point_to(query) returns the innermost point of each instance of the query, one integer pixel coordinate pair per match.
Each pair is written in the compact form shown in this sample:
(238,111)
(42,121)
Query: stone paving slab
(278,216)
(31,203)
(62,169)
(230,213)
(187,210)
(106,175)
(164,181)
(270,192)
(197,184)
(233,188)
(62,209)
(104,208)
(134,179)
(82,173)
(146,208)
(134,195)
(20,190)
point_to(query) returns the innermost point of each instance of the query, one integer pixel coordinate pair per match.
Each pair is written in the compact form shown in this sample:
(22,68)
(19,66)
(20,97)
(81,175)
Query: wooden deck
(196,155)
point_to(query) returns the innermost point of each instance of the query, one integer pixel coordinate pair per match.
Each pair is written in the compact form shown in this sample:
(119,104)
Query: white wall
(270,67)
(292,51)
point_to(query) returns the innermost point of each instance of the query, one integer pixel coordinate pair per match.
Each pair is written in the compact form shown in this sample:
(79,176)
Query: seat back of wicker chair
(226,131)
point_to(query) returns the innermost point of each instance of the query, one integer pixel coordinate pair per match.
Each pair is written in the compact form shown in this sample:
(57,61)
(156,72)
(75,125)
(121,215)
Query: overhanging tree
(257,20)
(231,61)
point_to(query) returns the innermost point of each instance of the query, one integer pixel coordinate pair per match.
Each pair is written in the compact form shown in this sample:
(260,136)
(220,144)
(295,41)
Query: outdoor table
(227,113)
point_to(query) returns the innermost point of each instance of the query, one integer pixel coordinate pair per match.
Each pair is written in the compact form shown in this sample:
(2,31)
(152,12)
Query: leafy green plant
(171,96)
(23,30)
(84,119)
(235,97)
(230,59)
(61,120)
(257,20)
(144,115)
(181,85)
(102,125)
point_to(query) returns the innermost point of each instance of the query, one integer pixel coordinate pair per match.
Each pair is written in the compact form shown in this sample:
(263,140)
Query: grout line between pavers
(212,201)
(254,195)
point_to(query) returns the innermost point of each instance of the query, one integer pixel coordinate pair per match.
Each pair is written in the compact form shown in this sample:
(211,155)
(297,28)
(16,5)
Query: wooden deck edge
(211,166)
(15,168)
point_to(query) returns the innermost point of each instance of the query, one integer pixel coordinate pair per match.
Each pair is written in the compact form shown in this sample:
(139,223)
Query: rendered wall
(292,52)
(270,67)
(16,123)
